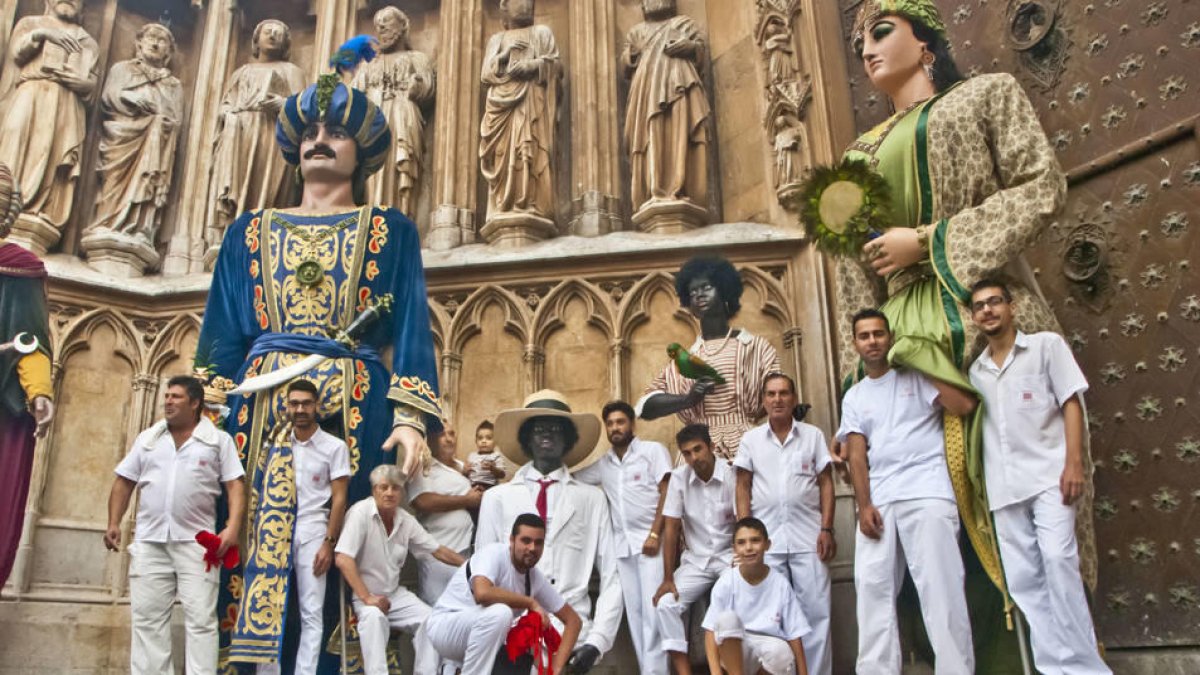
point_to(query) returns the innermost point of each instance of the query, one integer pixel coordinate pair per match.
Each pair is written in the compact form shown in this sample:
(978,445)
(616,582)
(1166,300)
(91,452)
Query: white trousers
(692,583)
(1041,566)
(922,534)
(640,577)
(432,577)
(759,652)
(407,613)
(809,577)
(158,573)
(310,597)
(471,637)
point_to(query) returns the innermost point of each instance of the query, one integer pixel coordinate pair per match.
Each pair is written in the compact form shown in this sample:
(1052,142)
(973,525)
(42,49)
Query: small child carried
(485,467)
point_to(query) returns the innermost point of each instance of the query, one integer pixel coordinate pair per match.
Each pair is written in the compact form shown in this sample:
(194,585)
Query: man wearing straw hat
(551,442)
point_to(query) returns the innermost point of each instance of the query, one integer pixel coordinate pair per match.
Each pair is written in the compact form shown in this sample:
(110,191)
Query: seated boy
(754,623)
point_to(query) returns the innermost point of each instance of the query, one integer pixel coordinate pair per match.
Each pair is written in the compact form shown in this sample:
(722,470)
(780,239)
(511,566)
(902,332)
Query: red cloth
(530,636)
(16,461)
(211,543)
(17,262)
(541,498)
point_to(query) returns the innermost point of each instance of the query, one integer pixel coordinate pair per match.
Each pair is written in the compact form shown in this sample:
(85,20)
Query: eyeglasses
(993,301)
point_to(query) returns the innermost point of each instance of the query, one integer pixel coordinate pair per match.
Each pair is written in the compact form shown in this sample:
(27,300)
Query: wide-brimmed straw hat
(547,403)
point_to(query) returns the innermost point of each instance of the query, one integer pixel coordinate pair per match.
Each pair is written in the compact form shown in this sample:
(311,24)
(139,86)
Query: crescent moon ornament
(22,343)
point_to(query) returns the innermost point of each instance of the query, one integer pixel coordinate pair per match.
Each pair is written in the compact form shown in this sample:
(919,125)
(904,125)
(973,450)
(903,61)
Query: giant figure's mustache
(320,149)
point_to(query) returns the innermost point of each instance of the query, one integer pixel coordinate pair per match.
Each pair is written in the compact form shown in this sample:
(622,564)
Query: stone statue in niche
(142,103)
(248,172)
(400,80)
(521,71)
(785,114)
(774,37)
(667,120)
(53,61)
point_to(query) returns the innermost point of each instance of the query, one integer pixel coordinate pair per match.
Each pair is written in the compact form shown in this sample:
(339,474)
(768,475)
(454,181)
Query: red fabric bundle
(211,543)
(525,637)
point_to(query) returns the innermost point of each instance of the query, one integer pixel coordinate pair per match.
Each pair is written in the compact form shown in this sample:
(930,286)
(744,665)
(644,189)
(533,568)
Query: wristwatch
(330,539)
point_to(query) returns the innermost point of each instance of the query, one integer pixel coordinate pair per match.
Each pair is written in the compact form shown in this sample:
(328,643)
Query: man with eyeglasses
(1034,439)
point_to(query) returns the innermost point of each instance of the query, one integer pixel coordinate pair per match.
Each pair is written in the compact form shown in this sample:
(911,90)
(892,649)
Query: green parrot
(692,367)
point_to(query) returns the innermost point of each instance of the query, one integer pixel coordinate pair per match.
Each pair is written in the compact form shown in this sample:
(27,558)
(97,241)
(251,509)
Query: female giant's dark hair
(945,70)
(720,273)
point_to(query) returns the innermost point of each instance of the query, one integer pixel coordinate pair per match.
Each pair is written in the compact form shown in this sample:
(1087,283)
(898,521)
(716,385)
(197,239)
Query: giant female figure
(973,181)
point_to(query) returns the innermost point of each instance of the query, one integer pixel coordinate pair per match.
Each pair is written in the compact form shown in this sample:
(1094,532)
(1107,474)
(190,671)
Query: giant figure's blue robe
(259,317)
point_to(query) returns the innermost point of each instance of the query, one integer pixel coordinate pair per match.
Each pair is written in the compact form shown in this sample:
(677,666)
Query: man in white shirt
(907,513)
(634,475)
(443,498)
(785,480)
(500,582)
(1033,459)
(550,438)
(754,622)
(321,471)
(374,544)
(179,466)
(700,500)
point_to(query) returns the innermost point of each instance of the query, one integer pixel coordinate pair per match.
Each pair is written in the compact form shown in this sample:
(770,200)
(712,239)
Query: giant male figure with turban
(282,279)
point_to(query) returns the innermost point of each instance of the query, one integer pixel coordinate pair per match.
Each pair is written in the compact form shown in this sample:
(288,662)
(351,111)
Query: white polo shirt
(898,414)
(178,488)
(1024,437)
(707,512)
(452,529)
(770,607)
(381,555)
(786,496)
(319,461)
(631,485)
(494,563)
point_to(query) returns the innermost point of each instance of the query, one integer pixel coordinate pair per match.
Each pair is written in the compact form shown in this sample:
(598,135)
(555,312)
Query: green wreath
(842,207)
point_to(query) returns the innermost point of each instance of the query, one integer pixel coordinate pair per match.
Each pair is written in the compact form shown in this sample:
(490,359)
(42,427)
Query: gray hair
(387,473)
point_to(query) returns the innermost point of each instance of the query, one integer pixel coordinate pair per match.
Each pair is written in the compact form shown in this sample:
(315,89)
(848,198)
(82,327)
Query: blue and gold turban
(333,102)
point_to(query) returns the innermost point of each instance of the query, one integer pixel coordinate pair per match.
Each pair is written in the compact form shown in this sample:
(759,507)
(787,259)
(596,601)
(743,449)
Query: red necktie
(541,498)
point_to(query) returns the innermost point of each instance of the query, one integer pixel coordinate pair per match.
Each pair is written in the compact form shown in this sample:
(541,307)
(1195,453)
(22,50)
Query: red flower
(529,636)
(211,543)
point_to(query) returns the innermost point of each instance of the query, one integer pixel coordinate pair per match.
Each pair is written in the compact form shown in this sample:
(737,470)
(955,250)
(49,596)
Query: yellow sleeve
(33,371)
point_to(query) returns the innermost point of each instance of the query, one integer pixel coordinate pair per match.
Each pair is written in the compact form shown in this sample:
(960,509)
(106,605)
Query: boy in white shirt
(485,466)
(1033,450)
(907,513)
(754,623)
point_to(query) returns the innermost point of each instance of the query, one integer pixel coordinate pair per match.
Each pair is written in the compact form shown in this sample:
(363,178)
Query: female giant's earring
(927,60)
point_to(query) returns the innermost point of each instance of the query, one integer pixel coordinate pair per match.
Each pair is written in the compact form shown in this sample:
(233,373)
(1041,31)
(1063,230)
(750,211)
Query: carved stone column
(185,253)
(535,365)
(618,353)
(595,163)
(450,376)
(456,121)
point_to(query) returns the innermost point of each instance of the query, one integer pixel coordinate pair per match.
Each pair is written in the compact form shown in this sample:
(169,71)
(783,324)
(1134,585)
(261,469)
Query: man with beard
(178,466)
(634,475)
(474,614)
(320,472)
(1033,447)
